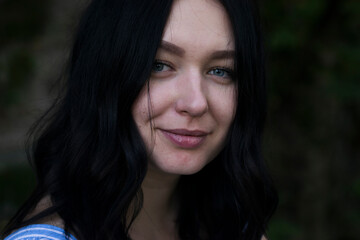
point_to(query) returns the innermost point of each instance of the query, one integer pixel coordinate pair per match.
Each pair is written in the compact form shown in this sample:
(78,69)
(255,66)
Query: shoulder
(39,232)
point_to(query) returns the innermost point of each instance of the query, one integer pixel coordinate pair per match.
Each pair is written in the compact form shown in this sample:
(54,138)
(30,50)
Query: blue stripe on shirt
(39,232)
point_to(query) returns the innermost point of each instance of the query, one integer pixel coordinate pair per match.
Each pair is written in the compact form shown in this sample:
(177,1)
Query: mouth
(184,138)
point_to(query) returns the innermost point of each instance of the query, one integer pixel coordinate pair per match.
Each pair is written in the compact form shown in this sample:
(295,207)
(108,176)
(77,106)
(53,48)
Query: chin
(179,166)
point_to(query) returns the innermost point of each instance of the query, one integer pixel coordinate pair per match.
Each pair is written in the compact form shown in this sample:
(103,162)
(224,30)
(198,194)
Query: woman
(157,135)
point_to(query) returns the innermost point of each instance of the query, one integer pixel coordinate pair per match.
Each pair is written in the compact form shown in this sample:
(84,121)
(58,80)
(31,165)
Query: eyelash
(164,64)
(228,71)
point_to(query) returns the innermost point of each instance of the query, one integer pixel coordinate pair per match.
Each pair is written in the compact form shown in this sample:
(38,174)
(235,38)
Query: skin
(190,88)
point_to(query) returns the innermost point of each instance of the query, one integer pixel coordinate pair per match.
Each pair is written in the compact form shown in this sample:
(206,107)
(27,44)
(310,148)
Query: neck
(156,219)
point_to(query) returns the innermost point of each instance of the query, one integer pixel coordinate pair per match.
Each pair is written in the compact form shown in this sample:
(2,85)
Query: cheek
(147,107)
(140,112)
(158,102)
(140,109)
(223,104)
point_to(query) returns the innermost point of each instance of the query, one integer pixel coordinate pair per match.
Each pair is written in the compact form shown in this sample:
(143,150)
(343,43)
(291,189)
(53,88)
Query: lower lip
(184,141)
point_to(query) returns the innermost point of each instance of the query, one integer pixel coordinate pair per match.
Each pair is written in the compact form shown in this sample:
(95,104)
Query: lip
(185,138)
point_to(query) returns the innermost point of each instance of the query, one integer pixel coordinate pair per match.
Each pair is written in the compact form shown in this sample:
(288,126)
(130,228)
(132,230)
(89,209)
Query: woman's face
(192,93)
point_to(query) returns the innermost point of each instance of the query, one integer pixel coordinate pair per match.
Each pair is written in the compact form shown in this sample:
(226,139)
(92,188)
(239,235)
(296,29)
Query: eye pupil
(219,72)
(157,67)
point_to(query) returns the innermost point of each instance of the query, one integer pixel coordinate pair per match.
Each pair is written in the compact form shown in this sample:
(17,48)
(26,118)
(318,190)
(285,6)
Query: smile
(184,138)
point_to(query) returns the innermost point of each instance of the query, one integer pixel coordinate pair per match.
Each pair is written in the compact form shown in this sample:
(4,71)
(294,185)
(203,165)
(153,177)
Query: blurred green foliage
(17,72)
(21,21)
(283,229)
(16,184)
(313,135)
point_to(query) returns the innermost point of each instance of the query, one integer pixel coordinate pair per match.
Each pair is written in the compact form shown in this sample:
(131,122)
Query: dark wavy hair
(88,153)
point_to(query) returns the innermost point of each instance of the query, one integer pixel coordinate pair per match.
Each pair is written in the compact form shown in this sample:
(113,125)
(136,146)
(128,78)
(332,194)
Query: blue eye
(160,67)
(221,72)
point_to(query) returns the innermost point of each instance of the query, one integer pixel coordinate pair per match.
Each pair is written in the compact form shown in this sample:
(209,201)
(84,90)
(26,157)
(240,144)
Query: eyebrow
(172,48)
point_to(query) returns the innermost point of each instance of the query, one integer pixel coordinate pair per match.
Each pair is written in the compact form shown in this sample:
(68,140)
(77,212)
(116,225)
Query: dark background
(312,138)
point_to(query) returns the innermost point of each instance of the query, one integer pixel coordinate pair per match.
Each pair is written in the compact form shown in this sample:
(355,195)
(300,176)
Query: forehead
(199,23)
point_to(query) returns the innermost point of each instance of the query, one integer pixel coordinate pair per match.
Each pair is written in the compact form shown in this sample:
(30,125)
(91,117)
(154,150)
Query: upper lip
(186,132)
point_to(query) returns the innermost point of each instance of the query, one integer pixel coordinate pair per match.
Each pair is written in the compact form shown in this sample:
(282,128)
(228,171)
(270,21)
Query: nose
(192,99)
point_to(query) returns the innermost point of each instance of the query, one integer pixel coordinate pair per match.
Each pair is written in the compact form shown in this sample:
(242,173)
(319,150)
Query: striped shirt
(39,232)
